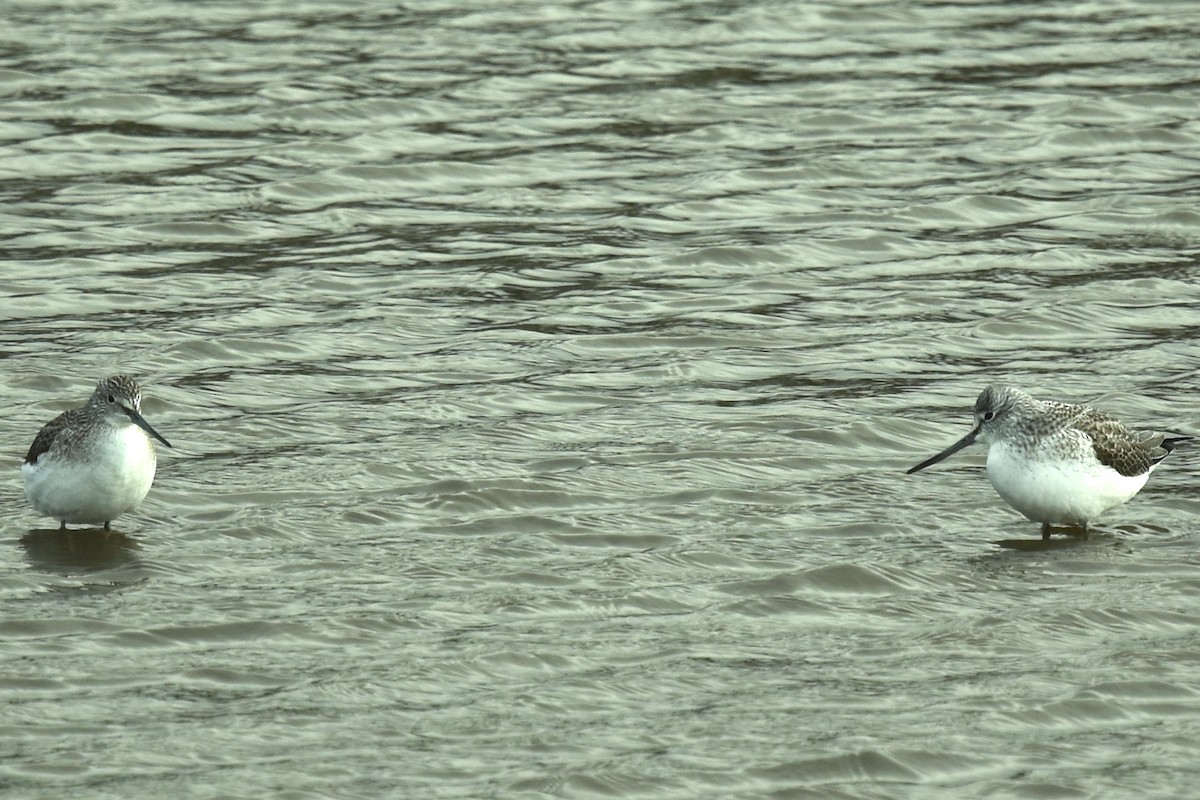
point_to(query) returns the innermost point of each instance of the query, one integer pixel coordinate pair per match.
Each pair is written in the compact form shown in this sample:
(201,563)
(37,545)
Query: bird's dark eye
(988,416)
(112,399)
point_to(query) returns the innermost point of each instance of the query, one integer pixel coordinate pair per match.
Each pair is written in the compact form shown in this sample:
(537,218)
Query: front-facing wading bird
(1056,462)
(92,464)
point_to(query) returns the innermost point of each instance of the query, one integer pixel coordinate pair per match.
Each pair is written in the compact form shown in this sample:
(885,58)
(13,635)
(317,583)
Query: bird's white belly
(94,486)
(1051,489)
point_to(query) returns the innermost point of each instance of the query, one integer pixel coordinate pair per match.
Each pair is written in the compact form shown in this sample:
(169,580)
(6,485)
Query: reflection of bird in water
(81,549)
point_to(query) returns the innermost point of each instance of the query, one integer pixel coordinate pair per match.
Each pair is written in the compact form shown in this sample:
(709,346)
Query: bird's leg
(1045,531)
(107,525)
(1085,531)
(63,525)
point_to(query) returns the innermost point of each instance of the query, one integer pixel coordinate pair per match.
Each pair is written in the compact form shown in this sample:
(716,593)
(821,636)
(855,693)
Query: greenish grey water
(542,379)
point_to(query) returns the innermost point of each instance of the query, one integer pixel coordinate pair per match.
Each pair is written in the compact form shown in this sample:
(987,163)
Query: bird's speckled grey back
(1021,418)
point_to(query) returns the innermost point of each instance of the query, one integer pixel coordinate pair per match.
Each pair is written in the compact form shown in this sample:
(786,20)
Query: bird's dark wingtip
(1172,442)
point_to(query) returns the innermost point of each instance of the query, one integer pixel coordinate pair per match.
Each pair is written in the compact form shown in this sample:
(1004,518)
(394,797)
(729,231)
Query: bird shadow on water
(73,551)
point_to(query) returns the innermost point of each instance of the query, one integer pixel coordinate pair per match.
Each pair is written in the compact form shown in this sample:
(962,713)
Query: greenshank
(1056,462)
(92,464)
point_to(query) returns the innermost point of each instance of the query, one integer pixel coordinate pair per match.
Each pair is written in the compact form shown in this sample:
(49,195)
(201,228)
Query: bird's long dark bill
(969,439)
(140,421)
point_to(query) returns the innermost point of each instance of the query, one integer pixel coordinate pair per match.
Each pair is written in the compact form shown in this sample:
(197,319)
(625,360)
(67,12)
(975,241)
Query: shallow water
(542,379)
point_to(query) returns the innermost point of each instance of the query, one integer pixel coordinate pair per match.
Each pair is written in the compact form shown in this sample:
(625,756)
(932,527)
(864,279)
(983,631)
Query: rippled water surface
(542,378)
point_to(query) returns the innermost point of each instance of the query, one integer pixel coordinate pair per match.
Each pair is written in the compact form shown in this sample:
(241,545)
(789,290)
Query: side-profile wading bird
(1057,462)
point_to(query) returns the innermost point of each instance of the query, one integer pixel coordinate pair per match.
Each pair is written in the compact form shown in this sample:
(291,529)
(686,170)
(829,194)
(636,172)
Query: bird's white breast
(1049,487)
(107,476)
